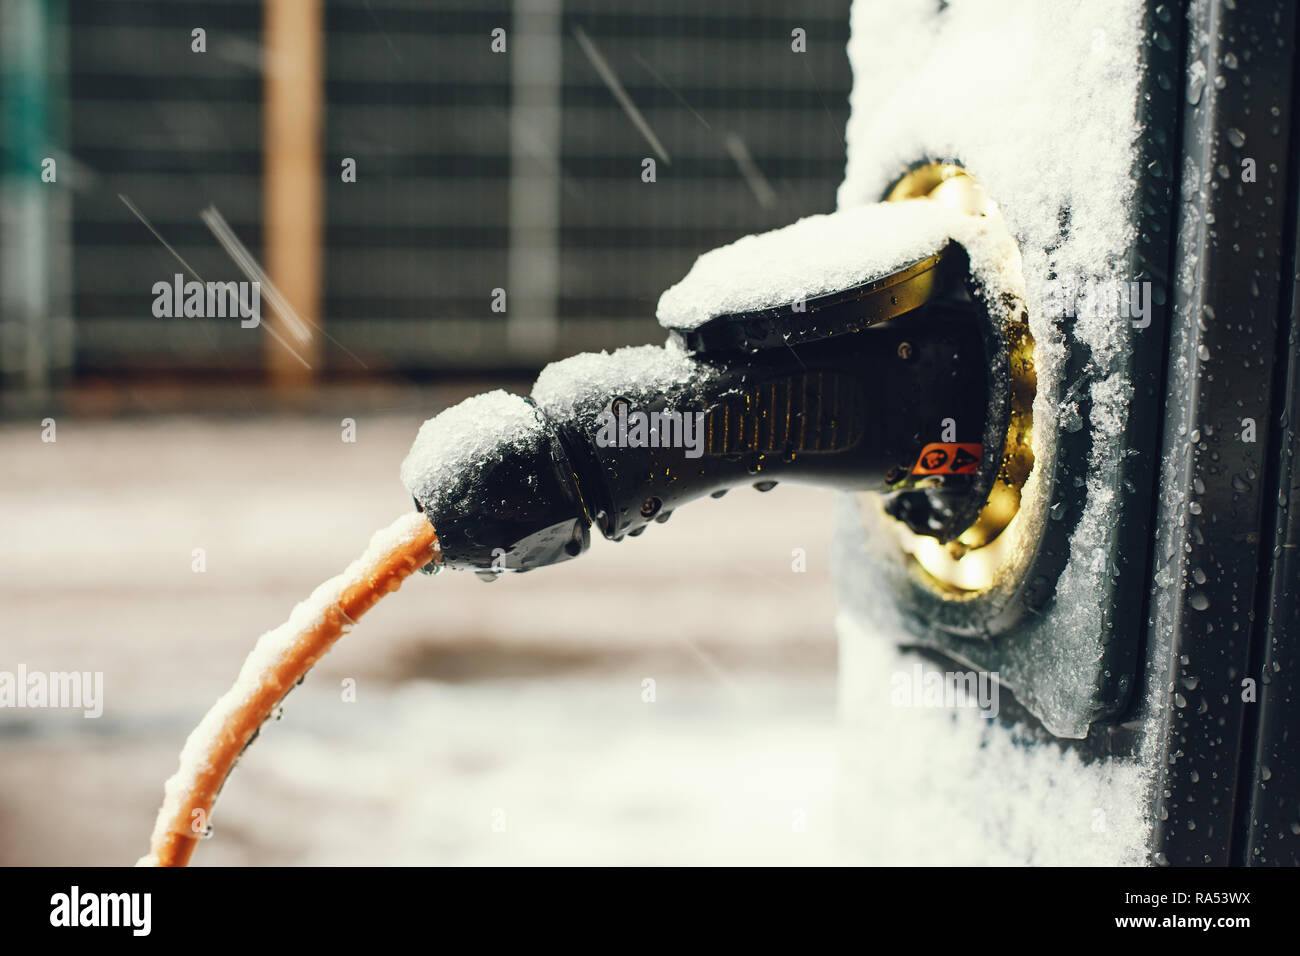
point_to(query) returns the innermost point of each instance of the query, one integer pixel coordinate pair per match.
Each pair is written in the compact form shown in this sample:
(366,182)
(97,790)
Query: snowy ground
(500,723)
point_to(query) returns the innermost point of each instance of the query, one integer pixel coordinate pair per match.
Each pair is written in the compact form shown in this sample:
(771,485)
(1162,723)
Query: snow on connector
(465,435)
(811,257)
(827,253)
(636,373)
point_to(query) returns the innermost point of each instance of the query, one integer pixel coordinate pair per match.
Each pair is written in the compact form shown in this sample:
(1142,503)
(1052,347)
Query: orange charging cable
(280,660)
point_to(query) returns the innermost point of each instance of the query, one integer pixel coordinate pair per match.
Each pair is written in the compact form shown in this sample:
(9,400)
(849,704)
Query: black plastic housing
(850,406)
(851,412)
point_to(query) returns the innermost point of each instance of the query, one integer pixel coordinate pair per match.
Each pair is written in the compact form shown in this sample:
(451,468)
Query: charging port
(969,563)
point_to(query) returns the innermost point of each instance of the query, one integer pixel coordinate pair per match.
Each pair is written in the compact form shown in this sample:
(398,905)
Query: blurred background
(478,171)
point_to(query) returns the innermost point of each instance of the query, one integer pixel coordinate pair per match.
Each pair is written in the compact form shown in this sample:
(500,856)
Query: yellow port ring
(968,565)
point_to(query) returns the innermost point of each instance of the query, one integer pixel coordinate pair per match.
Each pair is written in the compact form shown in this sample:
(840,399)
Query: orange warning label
(948,458)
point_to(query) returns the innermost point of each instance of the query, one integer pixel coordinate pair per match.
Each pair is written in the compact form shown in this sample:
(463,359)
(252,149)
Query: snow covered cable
(280,659)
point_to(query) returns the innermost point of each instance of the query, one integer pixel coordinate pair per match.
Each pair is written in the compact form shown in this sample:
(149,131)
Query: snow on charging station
(1041,105)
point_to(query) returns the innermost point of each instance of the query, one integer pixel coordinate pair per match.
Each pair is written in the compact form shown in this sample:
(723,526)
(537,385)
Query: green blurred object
(35,333)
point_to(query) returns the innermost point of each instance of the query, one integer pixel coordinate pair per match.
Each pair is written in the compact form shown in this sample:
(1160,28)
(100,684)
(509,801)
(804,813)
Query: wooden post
(291,197)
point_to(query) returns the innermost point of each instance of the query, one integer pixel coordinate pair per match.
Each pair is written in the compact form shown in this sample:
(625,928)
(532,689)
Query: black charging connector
(848,390)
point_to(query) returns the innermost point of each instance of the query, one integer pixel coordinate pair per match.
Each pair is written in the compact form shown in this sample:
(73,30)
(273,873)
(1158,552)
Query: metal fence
(476,170)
